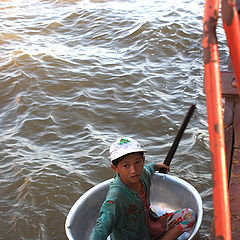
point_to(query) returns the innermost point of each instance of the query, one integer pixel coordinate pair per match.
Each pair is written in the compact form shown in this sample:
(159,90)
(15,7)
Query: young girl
(126,212)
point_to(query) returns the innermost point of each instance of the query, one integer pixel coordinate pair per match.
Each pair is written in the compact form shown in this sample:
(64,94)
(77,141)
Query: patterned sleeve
(150,168)
(148,171)
(105,222)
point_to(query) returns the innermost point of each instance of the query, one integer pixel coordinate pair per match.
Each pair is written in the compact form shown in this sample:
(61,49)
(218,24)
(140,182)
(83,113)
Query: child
(126,212)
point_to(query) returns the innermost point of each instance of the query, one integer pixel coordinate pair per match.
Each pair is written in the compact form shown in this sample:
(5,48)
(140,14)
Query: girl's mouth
(135,177)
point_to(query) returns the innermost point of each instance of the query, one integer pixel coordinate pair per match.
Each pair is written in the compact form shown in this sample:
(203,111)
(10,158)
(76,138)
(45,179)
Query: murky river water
(77,74)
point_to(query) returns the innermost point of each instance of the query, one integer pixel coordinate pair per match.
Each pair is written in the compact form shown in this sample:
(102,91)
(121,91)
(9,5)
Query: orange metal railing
(212,81)
(230,20)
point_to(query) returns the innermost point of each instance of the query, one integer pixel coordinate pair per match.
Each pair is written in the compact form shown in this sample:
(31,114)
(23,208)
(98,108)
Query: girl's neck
(134,186)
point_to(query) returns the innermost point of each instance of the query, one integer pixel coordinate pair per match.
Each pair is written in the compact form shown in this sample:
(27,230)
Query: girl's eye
(126,166)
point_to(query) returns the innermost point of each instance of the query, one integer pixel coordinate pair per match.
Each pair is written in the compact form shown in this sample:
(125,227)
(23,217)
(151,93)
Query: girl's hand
(162,165)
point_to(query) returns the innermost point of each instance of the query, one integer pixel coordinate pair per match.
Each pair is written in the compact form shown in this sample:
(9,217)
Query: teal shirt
(122,214)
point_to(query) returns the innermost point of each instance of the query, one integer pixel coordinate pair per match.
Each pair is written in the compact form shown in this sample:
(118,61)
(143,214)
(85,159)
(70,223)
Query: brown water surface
(77,74)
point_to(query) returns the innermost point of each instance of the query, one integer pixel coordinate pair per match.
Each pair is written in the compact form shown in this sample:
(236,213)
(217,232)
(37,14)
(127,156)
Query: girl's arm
(153,167)
(105,222)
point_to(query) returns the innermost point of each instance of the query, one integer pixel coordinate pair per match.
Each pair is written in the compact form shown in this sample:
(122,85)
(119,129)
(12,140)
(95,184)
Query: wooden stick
(174,146)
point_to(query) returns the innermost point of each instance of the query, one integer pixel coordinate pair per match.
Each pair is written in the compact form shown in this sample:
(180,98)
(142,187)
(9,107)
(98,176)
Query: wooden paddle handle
(174,146)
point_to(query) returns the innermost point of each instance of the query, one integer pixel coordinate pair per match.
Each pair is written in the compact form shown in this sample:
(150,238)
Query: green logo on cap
(122,141)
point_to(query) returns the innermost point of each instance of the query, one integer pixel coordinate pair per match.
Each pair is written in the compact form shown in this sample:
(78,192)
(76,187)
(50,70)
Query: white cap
(123,146)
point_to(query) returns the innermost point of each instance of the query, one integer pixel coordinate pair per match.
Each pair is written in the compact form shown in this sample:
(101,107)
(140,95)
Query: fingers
(167,168)
(162,165)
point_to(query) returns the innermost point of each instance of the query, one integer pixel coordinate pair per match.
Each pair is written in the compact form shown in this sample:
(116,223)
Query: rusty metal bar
(212,81)
(232,29)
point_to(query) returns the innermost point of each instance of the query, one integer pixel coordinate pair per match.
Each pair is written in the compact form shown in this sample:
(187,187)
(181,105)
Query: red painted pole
(212,81)
(232,29)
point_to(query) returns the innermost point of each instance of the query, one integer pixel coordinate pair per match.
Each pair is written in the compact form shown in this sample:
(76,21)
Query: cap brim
(123,153)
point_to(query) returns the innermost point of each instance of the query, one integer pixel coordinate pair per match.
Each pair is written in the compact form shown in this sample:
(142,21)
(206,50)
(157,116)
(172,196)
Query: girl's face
(130,168)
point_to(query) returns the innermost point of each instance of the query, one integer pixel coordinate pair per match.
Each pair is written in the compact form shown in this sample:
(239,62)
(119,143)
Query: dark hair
(116,161)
